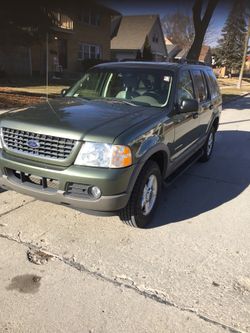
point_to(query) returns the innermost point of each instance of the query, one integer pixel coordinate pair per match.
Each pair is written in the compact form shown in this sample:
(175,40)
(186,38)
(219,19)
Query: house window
(64,21)
(88,51)
(90,17)
(155,38)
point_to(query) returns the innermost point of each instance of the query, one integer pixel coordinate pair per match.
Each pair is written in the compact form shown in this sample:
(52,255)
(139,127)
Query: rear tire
(208,146)
(144,198)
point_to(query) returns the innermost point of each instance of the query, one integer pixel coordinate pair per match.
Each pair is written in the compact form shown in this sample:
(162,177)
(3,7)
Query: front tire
(144,198)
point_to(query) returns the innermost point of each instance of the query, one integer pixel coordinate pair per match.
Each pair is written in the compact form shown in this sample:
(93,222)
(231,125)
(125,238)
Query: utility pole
(47,66)
(244,54)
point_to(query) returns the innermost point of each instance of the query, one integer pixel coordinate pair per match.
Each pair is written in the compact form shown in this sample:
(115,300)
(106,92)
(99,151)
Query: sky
(142,7)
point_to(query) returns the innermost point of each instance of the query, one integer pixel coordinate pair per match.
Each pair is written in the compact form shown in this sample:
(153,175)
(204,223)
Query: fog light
(95,192)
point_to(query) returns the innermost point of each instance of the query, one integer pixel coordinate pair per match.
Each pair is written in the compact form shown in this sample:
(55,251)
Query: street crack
(16,208)
(122,281)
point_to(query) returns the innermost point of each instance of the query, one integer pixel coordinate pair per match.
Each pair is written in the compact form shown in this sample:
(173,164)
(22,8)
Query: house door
(62,53)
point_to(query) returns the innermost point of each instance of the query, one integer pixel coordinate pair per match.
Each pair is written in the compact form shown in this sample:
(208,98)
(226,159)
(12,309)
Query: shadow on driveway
(236,102)
(207,186)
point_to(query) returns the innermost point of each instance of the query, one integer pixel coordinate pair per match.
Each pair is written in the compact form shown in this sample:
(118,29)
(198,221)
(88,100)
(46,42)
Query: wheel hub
(149,195)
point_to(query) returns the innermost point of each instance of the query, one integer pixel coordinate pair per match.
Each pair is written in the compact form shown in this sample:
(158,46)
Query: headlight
(104,155)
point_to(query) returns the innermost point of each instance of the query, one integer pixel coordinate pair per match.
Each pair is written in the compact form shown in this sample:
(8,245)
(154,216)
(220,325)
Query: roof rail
(192,62)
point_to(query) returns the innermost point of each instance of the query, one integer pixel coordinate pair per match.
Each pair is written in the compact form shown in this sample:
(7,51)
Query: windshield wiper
(121,101)
(132,102)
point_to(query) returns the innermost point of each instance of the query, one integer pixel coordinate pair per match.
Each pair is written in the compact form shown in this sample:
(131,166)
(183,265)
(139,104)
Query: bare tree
(179,29)
(200,25)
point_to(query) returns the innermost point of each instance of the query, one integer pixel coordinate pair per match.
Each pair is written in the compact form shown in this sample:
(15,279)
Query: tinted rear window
(213,85)
(200,85)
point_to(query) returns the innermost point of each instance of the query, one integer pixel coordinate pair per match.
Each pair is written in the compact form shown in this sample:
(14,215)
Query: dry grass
(40,90)
(14,100)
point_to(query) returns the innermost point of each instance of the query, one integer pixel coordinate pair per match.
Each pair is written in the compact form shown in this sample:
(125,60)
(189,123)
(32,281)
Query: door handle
(195,115)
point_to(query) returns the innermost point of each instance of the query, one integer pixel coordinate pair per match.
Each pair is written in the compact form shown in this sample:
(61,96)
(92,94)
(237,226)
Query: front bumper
(114,183)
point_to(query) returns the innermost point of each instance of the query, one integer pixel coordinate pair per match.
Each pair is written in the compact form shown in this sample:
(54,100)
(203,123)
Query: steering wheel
(153,94)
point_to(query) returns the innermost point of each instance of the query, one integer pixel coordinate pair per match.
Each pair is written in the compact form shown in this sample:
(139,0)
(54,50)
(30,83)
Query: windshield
(149,87)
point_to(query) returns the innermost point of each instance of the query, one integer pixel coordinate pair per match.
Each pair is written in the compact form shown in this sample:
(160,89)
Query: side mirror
(64,92)
(189,105)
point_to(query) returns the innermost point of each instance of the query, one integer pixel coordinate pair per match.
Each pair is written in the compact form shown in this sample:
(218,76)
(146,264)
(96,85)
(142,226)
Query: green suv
(107,144)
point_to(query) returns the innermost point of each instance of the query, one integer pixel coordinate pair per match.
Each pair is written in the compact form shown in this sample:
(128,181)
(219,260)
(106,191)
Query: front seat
(130,84)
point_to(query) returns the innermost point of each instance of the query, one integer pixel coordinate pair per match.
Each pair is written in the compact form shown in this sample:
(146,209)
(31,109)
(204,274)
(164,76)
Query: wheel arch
(159,154)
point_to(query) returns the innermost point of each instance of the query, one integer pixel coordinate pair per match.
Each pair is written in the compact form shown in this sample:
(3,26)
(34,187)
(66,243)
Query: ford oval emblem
(33,144)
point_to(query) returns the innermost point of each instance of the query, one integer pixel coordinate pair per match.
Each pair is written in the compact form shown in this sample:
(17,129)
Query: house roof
(204,51)
(182,54)
(168,42)
(132,32)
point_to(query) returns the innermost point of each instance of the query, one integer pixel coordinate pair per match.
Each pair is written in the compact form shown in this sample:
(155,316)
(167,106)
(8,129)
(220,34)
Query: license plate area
(38,182)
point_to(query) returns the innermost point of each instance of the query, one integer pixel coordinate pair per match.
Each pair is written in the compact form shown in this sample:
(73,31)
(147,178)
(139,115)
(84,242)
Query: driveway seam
(153,295)
(16,208)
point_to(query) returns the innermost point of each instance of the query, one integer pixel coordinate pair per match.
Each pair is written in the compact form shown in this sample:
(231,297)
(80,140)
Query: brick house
(247,64)
(132,35)
(178,54)
(82,33)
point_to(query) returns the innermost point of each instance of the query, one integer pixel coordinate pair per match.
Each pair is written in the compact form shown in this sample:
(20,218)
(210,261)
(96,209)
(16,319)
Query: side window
(200,85)
(207,91)
(213,85)
(185,87)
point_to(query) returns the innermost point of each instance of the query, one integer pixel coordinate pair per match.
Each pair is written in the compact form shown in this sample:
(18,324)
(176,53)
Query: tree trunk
(200,26)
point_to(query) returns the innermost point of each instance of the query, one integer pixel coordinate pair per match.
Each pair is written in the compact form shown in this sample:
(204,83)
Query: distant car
(106,145)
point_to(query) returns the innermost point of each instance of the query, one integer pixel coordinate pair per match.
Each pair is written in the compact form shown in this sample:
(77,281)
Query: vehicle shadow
(206,186)
(236,103)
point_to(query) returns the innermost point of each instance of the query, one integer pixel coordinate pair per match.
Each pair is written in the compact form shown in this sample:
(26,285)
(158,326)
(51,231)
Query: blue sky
(141,7)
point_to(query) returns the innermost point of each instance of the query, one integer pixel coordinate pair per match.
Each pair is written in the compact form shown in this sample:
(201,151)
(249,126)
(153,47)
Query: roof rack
(191,62)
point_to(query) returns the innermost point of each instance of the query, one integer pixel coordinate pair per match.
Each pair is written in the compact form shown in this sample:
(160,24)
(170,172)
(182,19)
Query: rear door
(204,98)
(215,94)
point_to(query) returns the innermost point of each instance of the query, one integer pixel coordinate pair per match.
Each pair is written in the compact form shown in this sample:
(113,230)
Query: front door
(63,53)
(186,124)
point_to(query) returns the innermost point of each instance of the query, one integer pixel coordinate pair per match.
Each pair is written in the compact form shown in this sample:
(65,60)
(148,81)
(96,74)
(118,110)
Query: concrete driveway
(188,272)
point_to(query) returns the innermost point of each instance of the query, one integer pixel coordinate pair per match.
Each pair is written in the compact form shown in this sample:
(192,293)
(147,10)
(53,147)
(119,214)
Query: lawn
(15,100)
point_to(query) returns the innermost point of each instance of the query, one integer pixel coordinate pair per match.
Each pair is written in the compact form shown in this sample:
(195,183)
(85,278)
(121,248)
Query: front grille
(50,147)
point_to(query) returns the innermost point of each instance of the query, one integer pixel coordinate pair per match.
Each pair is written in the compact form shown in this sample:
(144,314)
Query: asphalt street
(189,271)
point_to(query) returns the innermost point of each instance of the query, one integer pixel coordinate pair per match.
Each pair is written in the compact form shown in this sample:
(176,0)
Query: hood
(74,118)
